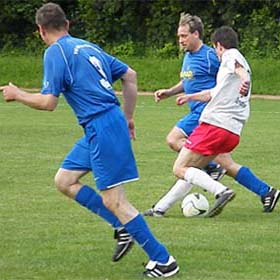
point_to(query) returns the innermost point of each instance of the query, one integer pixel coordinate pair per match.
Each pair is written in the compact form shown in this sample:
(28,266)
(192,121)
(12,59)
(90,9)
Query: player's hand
(10,92)
(131,128)
(244,88)
(161,94)
(182,99)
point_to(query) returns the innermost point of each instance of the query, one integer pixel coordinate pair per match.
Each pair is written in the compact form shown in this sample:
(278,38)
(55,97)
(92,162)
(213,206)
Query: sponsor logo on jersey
(186,75)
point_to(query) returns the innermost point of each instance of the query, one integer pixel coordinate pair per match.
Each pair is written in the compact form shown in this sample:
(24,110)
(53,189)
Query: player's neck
(199,45)
(54,37)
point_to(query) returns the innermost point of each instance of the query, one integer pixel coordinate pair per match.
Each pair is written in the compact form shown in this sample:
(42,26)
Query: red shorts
(210,140)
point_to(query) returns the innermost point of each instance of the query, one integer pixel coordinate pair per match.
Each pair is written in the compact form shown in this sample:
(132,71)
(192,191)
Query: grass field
(46,236)
(153,73)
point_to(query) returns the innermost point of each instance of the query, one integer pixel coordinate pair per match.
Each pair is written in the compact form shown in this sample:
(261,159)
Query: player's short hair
(51,17)
(194,23)
(226,36)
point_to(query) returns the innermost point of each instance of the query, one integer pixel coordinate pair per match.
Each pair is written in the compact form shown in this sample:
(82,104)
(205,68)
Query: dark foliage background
(141,27)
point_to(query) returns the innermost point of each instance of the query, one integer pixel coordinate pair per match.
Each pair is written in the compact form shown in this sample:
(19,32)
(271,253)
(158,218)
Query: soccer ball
(195,205)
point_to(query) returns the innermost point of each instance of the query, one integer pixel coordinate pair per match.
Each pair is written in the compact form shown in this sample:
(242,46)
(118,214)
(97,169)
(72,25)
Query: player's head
(190,32)
(224,38)
(51,18)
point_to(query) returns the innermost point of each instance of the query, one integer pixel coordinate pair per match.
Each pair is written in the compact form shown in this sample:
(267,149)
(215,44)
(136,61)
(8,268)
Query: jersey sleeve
(118,68)
(54,71)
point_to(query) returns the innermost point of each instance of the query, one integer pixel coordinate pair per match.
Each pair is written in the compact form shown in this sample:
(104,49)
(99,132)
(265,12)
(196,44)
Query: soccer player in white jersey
(221,121)
(84,74)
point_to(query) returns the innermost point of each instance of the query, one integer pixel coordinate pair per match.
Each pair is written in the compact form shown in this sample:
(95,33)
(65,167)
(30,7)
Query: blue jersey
(84,73)
(199,72)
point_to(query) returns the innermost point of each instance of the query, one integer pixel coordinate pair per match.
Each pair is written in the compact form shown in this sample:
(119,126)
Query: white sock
(198,177)
(178,191)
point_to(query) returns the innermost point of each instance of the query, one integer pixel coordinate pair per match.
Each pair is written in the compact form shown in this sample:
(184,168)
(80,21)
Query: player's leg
(115,200)
(187,166)
(112,168)
(186,126)
(245,176)
(188,160)
(75,165)
(175,193)
(203,145)
(68,182)
(176,139)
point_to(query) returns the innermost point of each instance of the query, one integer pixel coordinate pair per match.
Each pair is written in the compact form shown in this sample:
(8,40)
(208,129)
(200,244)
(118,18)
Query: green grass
(153,73)
(46,236)
(24,71)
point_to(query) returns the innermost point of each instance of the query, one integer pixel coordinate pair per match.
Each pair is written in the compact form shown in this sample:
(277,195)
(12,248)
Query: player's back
(88,76)
(228,108)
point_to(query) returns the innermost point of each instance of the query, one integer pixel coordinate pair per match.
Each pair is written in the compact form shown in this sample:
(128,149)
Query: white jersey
(227,108)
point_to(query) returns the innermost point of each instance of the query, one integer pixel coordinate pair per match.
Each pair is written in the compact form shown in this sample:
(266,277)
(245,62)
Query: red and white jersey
(227,108)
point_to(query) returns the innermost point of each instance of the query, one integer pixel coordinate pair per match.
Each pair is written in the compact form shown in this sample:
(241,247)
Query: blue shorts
(189,123)
(105,150)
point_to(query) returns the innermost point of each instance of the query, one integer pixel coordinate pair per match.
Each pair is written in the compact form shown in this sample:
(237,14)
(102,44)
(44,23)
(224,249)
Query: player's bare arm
(165,93)
(129,91)
(244,76)
(37,101)
(204,96)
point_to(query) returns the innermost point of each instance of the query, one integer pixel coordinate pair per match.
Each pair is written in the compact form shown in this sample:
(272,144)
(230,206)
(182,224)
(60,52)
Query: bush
(126,27)
(261,40)
(169,50)
(125,49)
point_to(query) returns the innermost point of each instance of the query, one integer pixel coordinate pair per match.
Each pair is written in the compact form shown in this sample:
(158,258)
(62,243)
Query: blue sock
(88,198)
(249,180)
(140,231)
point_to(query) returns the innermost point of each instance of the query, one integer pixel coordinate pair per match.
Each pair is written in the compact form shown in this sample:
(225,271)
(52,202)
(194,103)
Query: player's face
(188,41)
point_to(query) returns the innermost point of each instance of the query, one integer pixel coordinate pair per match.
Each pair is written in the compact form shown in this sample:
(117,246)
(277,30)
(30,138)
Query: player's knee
(171,143)
(175,143)
(61,183)
(177,171)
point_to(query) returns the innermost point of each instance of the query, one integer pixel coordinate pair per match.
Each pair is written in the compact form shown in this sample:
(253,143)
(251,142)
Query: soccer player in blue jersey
(84,74)
(199,70)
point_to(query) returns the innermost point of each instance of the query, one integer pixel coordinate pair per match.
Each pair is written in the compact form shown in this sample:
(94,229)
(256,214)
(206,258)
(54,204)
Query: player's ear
(41,29)
(220,47)
(67,24)
(196,34)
